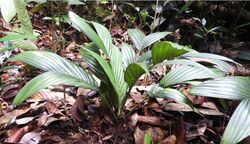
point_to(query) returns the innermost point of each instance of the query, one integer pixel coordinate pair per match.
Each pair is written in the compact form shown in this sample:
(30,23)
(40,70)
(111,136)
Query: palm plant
(118,76)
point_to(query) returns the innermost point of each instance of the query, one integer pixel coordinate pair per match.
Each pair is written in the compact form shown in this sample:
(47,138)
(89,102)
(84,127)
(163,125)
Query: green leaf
(9,37)
(183,62)
(47,79)
(24,44)
(150,39)
(137,37)
(167,50)
(93,64)
(8,10)
(147,139)
(157,91)
(145,57)
(52,62)
(134,71)
(185,73)
(208,56)
(128,55)
(23,17)
(5,49)
(238,126)
(80,23)
(105,37)
(236,88)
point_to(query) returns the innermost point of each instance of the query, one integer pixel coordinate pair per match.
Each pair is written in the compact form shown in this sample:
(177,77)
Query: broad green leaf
(116,62)
(208,56)
(105,36)
(236,88)
(24,44)
(128,55)
(47,79)
(115,75)
(8,10)
(52,62)
(185,73)
(23,17)
(183,62)
(9,37)
(144,57)
(117,67)
(157,91)
(93,64)
(134,71)
(5,49)
(150,39)
(238,126)
(167,50)
(86,29)
(137,37)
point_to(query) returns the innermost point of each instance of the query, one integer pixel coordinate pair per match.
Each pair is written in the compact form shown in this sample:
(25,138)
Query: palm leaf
(8,10)
(137,37)
(167,50)
(157,91)
(23,17)
(52,62)
(134,71)
(150,39)
(185,73)
(128,55)
(81,24)
(236,88)
(238,126)
(47,79)
(23,44)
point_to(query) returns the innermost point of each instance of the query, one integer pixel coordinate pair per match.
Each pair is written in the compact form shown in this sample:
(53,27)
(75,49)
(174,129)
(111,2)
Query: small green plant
(118,75)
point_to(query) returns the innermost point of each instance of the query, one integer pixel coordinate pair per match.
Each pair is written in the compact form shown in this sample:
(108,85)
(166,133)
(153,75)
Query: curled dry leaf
(17,134)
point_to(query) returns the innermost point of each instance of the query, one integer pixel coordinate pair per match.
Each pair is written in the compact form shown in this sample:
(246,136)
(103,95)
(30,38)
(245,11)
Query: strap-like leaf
(24,44)
(9,37)
(128,54)
(93,64)
(23,16)
(238,126)
(47,79)
(105,36)
(236,88)
(8,10)
(87,30)
(150,39)
(52,62)
(167,50)
(157,91)
(137,37)
(208,56)
(145,57)
(134,71)
(185,73)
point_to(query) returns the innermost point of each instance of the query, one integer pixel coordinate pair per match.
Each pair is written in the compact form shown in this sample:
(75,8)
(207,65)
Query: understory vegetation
(128,72)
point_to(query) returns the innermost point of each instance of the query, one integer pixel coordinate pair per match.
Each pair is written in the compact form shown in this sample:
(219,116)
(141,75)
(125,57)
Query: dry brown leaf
(31,138)
(17,134)
(169,140)
(9,116)
(48,95)
(139,136)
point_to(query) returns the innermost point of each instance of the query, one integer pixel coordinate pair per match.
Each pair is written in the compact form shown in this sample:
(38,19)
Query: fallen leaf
(17,135)
(24,120)
(169,140)
(9,116)
(31,138)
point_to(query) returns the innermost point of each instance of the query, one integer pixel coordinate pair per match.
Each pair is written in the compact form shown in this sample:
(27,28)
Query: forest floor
(64,114)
